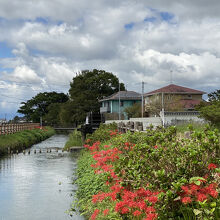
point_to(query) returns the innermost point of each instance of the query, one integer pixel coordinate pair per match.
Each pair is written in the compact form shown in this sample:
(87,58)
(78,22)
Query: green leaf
(197,211)
(197,183)
(212,210)
(177,198)
(196,180)
(213,204)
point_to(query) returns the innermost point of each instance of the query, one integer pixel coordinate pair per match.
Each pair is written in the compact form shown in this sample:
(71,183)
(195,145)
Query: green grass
(75,139)
(23,139)
(185,127)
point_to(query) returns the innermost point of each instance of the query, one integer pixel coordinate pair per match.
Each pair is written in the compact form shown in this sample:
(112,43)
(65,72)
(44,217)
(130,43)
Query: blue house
(110,104)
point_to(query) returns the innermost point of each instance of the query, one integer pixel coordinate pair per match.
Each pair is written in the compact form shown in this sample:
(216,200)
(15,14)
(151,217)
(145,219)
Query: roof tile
(172,88)
(124,95)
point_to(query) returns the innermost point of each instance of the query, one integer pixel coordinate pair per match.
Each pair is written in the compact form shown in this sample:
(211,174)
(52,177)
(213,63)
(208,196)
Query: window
(189,96)
(121,103)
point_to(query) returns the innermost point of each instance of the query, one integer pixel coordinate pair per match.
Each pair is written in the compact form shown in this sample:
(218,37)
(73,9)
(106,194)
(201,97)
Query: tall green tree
(88,88)
(210,111)
(53,116)
(37,107)
(133,111)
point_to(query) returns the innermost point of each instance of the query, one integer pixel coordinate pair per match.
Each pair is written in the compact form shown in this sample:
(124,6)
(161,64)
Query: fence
(146,122)
(13,128)
(130,126)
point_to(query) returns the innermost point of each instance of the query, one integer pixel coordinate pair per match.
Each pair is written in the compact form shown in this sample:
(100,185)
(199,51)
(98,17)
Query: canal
(38,186)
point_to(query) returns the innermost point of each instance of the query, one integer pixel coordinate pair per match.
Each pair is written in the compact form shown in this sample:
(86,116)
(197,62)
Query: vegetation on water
(152,175)
(23,139)
(75,139)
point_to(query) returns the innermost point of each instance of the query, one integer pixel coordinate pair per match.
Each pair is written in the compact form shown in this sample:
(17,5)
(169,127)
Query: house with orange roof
(172,98)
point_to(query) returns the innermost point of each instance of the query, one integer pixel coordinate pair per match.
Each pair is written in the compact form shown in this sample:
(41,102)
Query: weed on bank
(23,139)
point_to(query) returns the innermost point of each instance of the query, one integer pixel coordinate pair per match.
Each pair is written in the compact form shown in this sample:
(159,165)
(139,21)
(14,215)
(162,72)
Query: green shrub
(159,161)
(75,139)
(24,139)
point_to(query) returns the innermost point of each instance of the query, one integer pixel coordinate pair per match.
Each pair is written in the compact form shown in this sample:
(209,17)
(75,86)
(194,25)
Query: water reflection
(37,186)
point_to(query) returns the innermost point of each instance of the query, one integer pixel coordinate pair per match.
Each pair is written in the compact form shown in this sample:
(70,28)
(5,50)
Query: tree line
(86,89)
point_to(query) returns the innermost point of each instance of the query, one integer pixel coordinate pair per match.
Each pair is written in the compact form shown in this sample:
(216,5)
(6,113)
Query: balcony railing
(105,109)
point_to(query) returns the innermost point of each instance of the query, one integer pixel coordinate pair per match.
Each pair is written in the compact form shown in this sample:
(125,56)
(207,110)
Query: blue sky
(5,51)
(44,45)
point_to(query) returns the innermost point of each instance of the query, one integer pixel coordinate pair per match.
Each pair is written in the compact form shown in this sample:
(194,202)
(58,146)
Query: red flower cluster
(94,215)
(131,202)
(129,146)
(94,147)
(138,203)
(87,141)
(104,156)
(41,128)
(193,192)
(113,133)
(212,166)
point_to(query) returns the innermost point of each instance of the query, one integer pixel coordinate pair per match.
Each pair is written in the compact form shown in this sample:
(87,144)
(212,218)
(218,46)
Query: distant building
(110,104)
(172,98)
(3,120)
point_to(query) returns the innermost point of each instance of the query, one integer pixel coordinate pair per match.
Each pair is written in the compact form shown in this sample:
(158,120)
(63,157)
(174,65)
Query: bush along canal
(150,175)
(22,140)
(37,184)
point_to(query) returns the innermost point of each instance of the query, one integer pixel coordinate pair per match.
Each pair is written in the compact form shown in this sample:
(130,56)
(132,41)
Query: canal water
(38,186)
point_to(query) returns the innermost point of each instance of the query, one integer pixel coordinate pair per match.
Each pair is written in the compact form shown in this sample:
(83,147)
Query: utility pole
(41,122)
(171,76)
(142,100)
(119,102)
(163,109)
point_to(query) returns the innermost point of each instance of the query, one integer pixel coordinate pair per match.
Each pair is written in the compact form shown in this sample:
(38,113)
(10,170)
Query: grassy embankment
(75,139)
(23,139)
(153,175)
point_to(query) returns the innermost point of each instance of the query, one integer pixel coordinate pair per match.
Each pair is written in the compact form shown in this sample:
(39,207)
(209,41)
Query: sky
(44,44)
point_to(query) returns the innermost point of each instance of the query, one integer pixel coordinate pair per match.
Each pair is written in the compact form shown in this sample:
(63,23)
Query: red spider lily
(105,212)
(133,202)
(201,197)
(94,215)
(113,133)
(151,216)
(128,146)
(193,192)
(88,140)
(212,166)
(137,213)
(94,147)
(186,200)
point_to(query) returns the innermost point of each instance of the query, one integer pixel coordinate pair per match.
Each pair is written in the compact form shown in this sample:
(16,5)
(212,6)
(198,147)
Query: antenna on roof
(171,76)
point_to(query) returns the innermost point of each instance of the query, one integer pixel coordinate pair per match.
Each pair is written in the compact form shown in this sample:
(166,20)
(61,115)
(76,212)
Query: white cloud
(25,74)
(186,68)
(52,40)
